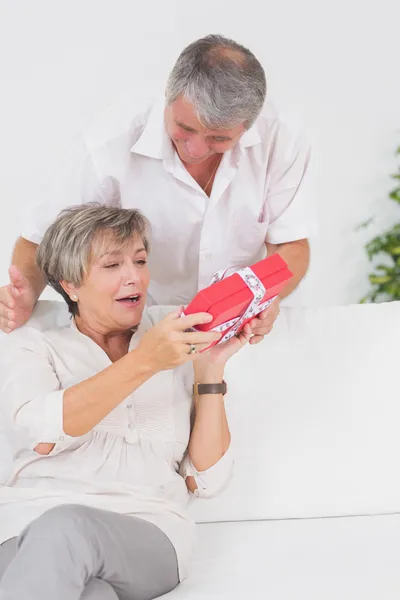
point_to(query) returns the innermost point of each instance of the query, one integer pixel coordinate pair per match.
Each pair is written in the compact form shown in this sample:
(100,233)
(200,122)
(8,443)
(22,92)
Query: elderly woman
(109,442)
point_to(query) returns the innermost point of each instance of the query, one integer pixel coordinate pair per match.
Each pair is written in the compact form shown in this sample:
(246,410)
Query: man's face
(194,142)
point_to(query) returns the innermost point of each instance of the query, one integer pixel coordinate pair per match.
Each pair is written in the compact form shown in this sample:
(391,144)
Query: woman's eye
(111,266)
(141,263)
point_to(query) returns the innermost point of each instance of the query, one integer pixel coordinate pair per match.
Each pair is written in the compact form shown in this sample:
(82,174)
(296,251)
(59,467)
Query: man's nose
(196,147)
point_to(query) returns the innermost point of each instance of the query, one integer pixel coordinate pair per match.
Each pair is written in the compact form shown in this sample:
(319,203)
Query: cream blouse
(133,462)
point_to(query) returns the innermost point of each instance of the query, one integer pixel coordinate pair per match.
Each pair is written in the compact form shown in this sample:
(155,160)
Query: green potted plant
(385,279)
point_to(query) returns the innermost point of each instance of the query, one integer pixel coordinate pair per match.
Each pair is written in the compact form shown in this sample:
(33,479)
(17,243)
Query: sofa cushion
(349,558)
(314,412)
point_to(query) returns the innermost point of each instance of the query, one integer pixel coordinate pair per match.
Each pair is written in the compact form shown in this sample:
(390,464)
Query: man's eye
(111,266)
(187,129)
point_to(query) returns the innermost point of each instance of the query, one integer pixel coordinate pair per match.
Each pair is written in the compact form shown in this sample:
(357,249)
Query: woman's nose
(131,274)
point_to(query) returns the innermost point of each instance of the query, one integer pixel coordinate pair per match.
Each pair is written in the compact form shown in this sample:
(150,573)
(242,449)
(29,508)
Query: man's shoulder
(280,126)
(121,122)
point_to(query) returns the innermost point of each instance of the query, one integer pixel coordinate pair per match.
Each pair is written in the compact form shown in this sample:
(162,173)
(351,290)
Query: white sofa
(313,510)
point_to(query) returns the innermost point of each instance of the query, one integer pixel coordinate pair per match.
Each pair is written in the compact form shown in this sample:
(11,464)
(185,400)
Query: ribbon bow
(255,307)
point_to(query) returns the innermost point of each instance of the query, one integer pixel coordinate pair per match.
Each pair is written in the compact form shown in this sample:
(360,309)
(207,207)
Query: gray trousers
(75,552)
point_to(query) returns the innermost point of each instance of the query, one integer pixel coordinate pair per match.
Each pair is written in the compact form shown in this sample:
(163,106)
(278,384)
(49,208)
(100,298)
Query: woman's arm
(210,437)
(208,464)
(164,346)
(88,402)
(34,404)
(32,400)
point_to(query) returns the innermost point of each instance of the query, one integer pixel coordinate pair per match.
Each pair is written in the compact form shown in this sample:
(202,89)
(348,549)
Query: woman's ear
(71,290)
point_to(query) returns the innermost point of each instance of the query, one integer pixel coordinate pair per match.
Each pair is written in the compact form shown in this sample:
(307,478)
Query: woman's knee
(58,524)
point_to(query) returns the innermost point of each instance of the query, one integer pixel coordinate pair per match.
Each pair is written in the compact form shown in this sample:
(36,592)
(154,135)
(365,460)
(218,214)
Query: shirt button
(132,437)
(129,406)
(61,438)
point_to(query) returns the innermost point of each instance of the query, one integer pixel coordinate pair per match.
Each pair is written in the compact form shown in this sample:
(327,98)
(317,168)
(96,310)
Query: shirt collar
(251,137)
(154,141)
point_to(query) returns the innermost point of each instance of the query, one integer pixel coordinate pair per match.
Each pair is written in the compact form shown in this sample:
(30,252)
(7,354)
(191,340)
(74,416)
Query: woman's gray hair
(222,79)
(79,235)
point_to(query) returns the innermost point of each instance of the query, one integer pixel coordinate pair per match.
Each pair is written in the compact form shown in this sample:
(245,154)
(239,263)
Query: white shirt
(258,195)
(133,462)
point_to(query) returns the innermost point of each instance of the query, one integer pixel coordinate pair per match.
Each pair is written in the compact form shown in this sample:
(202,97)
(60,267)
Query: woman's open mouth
(131,300)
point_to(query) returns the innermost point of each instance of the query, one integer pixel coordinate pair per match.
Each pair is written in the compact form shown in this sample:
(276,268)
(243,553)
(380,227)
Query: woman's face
(113,295)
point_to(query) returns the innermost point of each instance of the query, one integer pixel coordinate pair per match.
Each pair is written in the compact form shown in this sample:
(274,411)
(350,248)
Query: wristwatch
(200,389)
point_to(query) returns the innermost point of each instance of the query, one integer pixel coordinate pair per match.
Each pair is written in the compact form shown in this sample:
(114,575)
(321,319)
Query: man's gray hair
(79,235)
(222,79)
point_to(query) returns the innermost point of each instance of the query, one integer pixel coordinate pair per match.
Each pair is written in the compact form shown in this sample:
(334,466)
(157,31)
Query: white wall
(335,65)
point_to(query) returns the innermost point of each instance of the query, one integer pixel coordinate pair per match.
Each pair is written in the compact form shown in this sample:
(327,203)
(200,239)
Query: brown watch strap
(210,388)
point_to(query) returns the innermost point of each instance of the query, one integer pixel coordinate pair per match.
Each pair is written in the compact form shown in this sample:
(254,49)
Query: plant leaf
(379,279)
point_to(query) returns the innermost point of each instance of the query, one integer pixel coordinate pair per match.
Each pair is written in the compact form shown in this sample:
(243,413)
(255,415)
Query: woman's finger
(175,314)
(192,320)
(199,337)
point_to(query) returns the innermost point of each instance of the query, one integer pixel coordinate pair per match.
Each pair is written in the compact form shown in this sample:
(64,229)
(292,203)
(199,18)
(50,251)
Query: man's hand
(17,300)
(263,323)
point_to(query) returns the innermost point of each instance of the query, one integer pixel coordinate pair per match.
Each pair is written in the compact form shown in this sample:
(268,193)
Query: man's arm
(18,298)
(297,256)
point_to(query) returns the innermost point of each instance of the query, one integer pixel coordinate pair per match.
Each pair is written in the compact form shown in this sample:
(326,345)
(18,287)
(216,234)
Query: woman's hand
(167,345)
(209,366)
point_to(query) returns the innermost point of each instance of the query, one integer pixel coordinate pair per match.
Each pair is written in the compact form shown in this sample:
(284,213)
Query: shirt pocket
(248,238)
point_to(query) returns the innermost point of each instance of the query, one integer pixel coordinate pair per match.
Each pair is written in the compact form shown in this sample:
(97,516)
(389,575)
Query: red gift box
(228,299)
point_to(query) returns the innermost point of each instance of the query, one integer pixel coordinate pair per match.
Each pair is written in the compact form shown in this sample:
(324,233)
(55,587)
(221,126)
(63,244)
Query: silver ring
(192,349)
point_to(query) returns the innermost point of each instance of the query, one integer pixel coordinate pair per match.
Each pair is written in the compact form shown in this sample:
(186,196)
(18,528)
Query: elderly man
(220,182)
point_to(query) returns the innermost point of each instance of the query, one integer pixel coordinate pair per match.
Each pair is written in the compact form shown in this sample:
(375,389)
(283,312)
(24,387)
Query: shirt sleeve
(79,180)
(289,195)
(214,480)
(31,398)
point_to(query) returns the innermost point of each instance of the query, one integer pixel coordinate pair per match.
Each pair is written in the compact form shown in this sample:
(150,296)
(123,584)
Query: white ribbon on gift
(255,307)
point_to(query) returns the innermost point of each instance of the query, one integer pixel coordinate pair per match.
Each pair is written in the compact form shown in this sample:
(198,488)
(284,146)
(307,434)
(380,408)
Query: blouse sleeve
(212,481)
(31,398)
